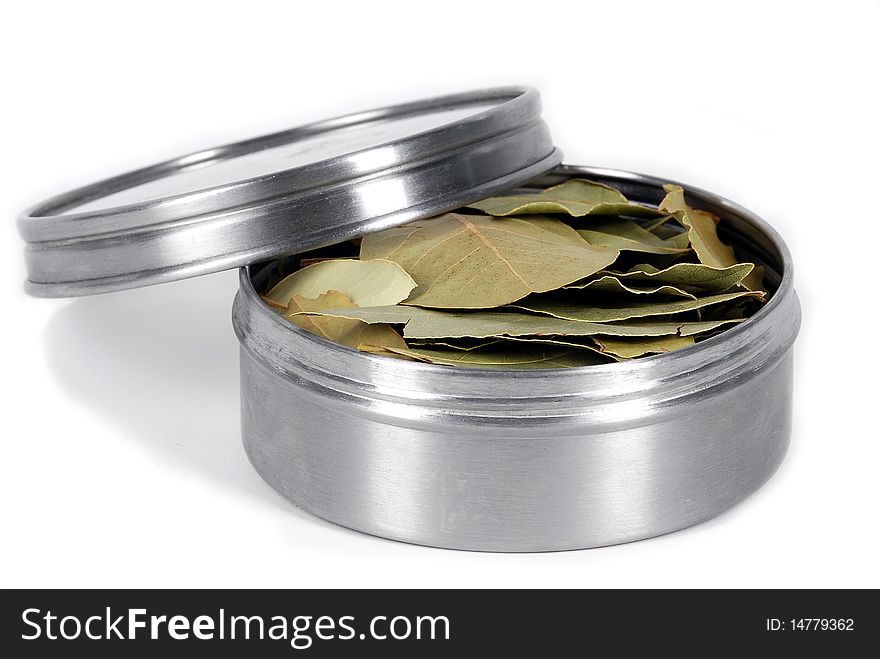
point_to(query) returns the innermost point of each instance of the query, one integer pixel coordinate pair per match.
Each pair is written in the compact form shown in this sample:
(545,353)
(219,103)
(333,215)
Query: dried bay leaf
(500,355)
(582,343)
(304,263)
(351,333)
(628,260)
(675,204)
(276,306)
(328,327)
(585,343)
(755,280)
(666,232)
(527,291)
(659,224)
(641,267)
(697,327)
(612,284)
(708,278)
(703,233)
(472,261)
(625,235)
(575,197)
(365,283)
(454,344)
(566,309)
(629,348)
(386,352)
(730,311)
(701,229)
(680,239)
(422,323)
(395,314)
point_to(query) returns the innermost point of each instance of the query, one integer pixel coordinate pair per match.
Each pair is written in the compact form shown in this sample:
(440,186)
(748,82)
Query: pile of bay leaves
(572,275)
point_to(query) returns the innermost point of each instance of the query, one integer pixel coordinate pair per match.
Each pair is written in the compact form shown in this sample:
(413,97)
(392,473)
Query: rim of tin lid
(286,192)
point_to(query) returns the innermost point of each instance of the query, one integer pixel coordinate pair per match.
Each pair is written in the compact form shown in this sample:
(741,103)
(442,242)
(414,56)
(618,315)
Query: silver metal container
(525,461)
(286,192)
(485,460)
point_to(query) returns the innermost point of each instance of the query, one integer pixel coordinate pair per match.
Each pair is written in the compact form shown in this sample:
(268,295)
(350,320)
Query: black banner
(318,623)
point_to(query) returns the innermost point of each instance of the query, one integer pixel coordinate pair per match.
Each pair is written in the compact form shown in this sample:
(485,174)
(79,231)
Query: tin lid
(285,193)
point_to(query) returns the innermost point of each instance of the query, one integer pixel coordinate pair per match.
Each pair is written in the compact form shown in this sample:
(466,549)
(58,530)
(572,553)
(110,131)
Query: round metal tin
(526,461)
(287,192)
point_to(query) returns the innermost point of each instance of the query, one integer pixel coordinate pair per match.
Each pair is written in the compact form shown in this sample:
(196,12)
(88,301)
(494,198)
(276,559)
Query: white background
(121,459)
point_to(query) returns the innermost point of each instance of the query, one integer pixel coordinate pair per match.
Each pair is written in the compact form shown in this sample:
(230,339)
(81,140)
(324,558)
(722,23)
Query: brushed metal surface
(525,461)
(233,205)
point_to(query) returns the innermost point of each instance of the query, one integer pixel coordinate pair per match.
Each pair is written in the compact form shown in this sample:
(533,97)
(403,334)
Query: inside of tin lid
(211,168)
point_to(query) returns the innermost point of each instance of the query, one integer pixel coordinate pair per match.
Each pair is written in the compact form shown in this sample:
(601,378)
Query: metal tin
(525,461)
(287,192)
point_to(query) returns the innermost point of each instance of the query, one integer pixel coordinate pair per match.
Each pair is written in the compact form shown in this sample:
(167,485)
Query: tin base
(525,461)
(516,493)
